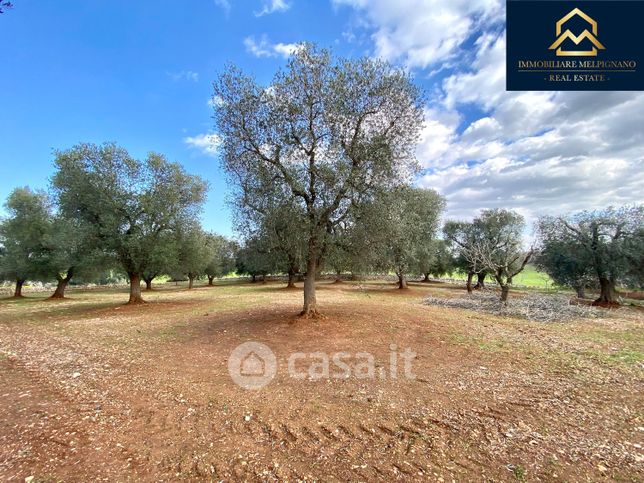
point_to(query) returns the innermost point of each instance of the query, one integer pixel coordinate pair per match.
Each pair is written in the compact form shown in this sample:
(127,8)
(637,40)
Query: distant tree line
(322,159)
(321,163)
(107,210)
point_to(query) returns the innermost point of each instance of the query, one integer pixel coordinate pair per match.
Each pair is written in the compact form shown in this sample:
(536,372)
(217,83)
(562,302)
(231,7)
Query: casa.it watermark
(252,365)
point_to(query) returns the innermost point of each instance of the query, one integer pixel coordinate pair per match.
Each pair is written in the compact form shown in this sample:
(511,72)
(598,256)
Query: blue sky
(139,73)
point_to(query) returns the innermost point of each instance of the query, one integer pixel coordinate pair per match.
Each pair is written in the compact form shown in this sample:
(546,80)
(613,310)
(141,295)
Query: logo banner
(555,45)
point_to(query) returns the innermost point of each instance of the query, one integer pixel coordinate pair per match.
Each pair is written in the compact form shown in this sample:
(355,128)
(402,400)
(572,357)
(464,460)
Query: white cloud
(186,75)
(272,6)
(207,143)
(535,152)
(420,33)
(286,50)
(264,48)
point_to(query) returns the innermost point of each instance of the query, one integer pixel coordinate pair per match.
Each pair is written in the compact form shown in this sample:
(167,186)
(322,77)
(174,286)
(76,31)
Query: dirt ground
(95,390)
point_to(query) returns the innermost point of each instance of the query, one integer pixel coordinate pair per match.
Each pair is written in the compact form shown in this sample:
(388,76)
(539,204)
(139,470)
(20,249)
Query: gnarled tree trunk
(426,279)
(505,291)
(608,294)
(17,293)
(135,289)
(148,283)
(468,285)
(59,293)
(253,278)
(480,281)
(210,280)
(402,281)
(191,279)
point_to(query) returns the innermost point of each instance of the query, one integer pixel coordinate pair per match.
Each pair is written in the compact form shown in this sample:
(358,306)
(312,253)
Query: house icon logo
(252,365)
(577,39)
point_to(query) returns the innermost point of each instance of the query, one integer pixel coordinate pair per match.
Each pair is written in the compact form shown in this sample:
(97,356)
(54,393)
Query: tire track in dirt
(346,451)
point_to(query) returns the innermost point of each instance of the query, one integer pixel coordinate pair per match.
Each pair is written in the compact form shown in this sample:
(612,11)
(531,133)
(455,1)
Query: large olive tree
(131,204)
(326,131)
(610,243)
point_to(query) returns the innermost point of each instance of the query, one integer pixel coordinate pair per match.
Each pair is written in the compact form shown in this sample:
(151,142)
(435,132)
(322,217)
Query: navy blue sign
(586,45)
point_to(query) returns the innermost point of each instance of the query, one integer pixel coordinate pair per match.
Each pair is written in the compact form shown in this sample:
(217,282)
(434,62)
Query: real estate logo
(568,35)
(555,45)
(252,365)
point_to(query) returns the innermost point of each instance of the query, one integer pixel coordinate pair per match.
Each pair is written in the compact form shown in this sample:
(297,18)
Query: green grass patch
(529,277)
(627,357)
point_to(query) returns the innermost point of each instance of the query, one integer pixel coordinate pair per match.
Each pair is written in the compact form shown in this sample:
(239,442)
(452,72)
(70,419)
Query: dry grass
(93,389)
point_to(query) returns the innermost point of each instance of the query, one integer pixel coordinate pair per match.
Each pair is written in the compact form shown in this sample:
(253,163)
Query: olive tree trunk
(135,289)
(426,279)
(291,279)
(480,281)
(310,303)
(468,285)
(148,283)
(210,280)
(505,291)
(59,293)
(191,279)
(338,277)
(402,281)
(17,293)
(607,294)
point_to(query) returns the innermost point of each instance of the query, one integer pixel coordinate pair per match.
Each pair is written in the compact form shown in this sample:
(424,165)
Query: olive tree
(192,251)
(561,259)
(492,242)
(396,224)
(325,132)
(221,256)
(434,258)
(609,242)
(162,258)
(21,236)
(131,204)
(461,237)
(255,259)
(70,249)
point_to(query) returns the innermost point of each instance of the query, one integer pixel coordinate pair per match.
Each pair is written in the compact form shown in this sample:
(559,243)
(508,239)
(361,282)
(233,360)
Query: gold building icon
(577,39)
